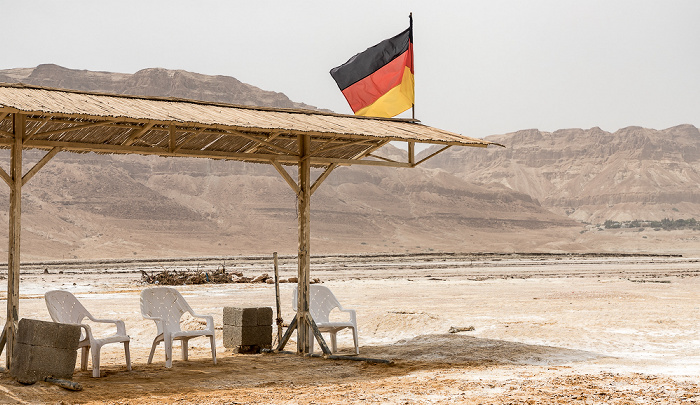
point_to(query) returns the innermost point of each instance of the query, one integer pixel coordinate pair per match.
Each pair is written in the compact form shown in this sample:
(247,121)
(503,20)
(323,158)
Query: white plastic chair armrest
(153,318)
(121,328)
(209,318)
(353,315)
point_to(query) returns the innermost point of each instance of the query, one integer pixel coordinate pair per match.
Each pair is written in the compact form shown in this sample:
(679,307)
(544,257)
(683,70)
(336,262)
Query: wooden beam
(4,115)
(6,177)
(6,134)
(287,177)
(13,251)
(47,157)
(348,162)
(303,254)
(187,139)
(322,177)
(137,134)
(431,155)
(74,128)
(262,142)
(330,148)
(412,153)
(141,150)
(257,146)
(317,334)
(383,158)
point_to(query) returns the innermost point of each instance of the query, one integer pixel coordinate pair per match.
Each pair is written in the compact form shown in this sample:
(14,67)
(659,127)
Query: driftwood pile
(220,276)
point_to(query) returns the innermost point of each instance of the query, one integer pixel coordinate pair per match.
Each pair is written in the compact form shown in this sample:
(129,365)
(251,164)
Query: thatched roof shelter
(64,120)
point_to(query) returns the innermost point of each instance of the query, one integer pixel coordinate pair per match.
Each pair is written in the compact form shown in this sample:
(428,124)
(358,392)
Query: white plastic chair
(322,303)
(65,308)
(165,306)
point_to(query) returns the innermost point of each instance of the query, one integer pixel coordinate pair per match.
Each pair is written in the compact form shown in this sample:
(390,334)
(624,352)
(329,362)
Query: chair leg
(212,341)
(312,340)
(96,361)
(184,344)
(84,358)
(168,341)
(354,338)
(127,354)
(153,350)
(334,341)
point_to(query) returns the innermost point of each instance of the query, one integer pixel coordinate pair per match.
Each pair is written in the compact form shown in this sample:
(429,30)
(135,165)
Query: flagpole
(413,106)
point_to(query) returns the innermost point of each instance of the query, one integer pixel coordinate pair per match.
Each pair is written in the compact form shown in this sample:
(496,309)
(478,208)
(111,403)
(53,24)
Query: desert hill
(94,206)
(593,175)
(530,196)
(152,82)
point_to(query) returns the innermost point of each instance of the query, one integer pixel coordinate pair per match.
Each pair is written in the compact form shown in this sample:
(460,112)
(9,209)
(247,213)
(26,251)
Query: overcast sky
(482,67)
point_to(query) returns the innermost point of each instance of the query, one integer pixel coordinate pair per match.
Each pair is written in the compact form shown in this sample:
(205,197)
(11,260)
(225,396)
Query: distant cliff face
(593,175)
(156,82)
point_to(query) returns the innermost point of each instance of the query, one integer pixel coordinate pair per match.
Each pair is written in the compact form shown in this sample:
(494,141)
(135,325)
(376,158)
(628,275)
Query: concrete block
(240,316)
(264,316)
(44,349)
(51,334)
(235,336)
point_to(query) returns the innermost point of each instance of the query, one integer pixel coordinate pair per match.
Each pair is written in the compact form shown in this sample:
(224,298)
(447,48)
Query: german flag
(379,81)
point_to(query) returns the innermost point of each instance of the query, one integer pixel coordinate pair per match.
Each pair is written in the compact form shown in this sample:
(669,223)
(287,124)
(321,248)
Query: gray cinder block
(264,316)
(44,349)
(235,336)
(235,316)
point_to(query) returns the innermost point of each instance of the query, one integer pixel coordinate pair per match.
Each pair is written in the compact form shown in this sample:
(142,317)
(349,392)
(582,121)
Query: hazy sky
(482,67)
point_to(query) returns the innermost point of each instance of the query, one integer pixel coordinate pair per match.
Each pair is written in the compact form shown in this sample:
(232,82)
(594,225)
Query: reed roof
(108,123)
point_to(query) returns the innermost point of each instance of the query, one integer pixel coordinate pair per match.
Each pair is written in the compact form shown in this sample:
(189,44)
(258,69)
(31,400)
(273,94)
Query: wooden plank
(287,177)
(13,260)
(322,177)
(47,157)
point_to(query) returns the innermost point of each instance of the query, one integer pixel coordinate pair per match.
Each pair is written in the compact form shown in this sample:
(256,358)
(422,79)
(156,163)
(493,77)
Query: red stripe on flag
(371,88)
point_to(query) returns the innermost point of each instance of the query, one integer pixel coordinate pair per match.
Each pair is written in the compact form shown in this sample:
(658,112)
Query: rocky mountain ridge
(156,82)
(593,175)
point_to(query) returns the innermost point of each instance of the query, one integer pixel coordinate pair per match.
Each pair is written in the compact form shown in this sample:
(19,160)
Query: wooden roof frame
(56,120)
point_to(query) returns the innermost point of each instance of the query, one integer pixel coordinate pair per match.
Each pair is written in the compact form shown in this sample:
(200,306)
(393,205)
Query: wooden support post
(13,251)
(303,201)
(278,318)
(290,329)
(412,153)
(317,334)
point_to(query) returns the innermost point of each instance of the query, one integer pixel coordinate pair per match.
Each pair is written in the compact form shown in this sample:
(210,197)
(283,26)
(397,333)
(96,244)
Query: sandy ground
(546,330)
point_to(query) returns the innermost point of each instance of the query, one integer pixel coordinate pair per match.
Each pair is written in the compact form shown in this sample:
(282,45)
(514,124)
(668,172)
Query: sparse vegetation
(665,224)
